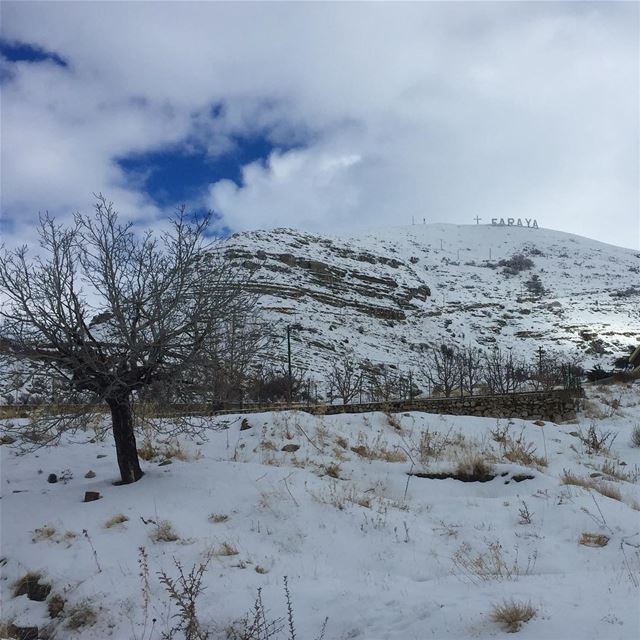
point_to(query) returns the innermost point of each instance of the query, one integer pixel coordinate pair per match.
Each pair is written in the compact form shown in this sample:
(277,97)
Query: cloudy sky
(330,117)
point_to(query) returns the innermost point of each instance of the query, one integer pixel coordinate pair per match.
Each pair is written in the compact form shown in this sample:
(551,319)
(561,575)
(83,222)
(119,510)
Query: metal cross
(477,219)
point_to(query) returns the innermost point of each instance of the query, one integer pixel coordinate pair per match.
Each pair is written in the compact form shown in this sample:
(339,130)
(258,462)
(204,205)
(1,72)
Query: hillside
(386,295)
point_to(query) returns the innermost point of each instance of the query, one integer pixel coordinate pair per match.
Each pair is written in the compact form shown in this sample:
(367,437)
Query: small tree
(443,368)
(109,312)
(344,379)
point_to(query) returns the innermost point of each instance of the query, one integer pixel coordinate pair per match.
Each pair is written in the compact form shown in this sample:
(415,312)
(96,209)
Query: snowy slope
(384,556)
(386,295)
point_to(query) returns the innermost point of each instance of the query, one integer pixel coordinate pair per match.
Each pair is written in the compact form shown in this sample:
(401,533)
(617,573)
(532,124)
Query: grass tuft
(118,518)
(512,614)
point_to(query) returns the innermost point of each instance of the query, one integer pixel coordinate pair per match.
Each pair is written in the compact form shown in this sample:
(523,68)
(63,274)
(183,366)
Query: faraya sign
(514,222)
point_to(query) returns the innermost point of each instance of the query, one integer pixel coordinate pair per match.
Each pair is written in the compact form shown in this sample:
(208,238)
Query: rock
(164,463)
(101,455)
(90,474)
(7,439)
(539,423)
(23,633)
(290,448)
(38,592)
(595,474)
(244,425)
(90,496)
(52,478)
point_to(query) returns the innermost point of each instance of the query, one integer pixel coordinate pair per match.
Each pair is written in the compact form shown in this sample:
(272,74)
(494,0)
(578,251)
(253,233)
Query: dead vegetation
(593,540)
(512,614)
(595,484)
(118,518)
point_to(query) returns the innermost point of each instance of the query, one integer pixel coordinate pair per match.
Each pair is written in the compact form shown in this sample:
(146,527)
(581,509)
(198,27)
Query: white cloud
(436,110)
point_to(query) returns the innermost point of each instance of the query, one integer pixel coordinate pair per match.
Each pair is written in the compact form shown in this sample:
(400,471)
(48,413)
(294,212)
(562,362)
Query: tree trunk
(126,448)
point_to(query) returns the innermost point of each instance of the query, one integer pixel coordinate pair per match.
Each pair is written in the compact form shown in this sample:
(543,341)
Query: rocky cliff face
(387,296)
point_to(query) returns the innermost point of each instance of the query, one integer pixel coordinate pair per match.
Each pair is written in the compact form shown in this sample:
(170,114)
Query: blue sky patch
(174,175)
(24,52)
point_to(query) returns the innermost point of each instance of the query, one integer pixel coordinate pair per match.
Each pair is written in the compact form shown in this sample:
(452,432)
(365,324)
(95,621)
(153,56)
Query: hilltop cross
(477,219)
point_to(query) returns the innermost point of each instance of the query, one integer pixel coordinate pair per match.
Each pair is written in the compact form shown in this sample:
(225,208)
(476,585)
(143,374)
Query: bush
(81,615)
(635,436)
(515,264)
(511,614)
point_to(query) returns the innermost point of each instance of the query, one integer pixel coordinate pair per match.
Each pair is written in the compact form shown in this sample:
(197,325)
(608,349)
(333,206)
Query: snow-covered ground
(382,554)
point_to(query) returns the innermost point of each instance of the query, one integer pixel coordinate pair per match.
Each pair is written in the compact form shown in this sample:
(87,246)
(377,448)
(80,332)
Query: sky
(329,117)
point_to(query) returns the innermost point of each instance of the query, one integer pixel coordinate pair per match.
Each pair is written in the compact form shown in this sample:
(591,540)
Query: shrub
(515,264)
(164,532)
(119,518)
(226,549)
(184,591)
(473,466)
(635,436)
(81,615)
(512,614)
(55,605)
(596,441)
(332,470)
(593,540)
(216,518)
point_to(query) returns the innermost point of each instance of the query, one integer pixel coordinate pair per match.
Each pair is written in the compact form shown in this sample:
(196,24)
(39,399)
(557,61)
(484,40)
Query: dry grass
(216,518)
(25,584)
(473,465)
(47,532)
(379,453)
(615,471)
(81,615)
(603,488)
(55,605)
(490,563)
(635,436)
(343,442)
(593,540)
(118,518)
(512,614)
(169,450)
(332,470)
(226,549)
(164,532)
(393,421)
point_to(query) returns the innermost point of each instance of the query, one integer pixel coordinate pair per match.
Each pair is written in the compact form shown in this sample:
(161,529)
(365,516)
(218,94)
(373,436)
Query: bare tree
(443,368)
(344,378)
(109,312)
(470,368)
(503,374)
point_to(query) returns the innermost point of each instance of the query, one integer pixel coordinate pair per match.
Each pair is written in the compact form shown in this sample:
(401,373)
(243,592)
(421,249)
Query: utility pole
(289,361)
(477,219)
(540,352)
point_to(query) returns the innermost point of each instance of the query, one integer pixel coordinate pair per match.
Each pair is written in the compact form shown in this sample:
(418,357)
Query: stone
(244,425)
(52,478)
(7,439)
(539,423)
(90,496)
(90,474)
(164,463)
(38,592)
(101,455)
(595,474)
(290,448)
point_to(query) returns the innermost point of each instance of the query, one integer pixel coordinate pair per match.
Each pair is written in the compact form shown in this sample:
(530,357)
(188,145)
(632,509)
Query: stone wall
(555,406)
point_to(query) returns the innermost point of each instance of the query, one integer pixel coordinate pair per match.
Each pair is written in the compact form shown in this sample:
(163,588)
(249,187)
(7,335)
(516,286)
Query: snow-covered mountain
(386,295)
